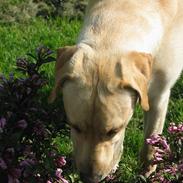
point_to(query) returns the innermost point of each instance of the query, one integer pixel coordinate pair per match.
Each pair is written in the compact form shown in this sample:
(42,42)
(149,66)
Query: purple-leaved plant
(28,126)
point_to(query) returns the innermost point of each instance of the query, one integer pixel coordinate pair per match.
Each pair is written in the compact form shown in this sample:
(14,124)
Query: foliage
(28,127)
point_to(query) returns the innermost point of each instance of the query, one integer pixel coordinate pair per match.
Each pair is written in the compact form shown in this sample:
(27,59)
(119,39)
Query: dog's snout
(90,179)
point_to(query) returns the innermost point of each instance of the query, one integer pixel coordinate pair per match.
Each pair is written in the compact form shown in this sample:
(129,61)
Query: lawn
(16,39)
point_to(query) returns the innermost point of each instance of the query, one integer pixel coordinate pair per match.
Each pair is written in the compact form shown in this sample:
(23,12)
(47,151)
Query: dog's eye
(76,128)
(111,133)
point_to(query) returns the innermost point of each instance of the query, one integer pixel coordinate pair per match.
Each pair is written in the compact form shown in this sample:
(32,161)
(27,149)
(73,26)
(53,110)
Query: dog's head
(99,96)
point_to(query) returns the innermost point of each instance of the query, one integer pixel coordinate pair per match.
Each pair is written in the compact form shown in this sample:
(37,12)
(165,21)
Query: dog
(128,51)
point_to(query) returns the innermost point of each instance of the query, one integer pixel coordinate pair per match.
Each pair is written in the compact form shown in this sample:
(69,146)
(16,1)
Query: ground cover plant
(168,155)
(18,38)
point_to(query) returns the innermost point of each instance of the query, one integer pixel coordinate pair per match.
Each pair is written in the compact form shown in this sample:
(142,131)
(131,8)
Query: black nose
(90,179)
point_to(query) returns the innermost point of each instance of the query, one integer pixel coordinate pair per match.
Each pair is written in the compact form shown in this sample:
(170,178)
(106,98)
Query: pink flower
(165,144)
(172,128)
(161,178)
(180,127)
(58,172)
(48,181)
(153,139)
(158,155)
(157,159)
(171,169)
(158,141)
(60,161)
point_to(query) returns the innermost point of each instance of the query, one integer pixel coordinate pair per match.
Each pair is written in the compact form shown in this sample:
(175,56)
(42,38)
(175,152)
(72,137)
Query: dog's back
(127,24)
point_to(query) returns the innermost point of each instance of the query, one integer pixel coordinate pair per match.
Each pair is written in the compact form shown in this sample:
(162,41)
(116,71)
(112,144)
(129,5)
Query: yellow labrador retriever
(127,51)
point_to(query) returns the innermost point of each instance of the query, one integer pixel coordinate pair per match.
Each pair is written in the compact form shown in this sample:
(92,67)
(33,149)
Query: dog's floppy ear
(136,74)
(62,70)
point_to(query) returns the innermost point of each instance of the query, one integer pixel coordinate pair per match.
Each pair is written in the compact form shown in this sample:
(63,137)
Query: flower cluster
(168,155)
(28,126)
(162,149)
(174,129)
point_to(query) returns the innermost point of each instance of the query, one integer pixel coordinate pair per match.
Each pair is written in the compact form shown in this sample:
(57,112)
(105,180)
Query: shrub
(71,9)
(28,126)
(22,11)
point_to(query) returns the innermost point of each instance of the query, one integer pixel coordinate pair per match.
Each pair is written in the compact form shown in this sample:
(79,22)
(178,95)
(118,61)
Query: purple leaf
(22,124)
(3,165)
(2,123)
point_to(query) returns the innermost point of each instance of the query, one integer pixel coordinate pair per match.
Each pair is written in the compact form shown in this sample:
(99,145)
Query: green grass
(19,38)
